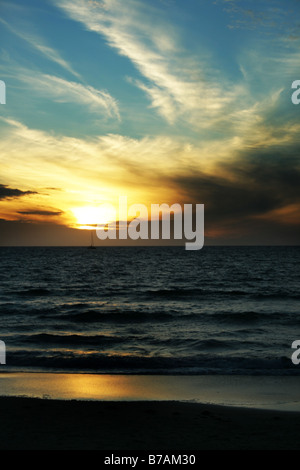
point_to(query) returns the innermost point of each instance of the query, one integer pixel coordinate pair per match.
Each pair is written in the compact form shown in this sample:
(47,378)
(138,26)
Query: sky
(161,101)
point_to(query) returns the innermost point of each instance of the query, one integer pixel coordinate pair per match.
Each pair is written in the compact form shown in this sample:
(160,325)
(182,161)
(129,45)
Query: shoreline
(259,392)
(49,424)
(67,411)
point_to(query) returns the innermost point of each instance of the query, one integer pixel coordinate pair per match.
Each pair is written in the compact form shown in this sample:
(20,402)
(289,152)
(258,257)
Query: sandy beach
(43,424)
(143,413)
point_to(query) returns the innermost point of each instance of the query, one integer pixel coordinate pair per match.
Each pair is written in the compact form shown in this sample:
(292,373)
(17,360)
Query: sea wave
(97,362)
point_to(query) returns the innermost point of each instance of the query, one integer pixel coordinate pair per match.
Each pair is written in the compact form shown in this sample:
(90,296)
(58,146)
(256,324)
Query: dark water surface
(219,310)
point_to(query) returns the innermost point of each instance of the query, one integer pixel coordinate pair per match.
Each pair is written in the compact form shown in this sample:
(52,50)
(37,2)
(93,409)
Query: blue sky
(166,101)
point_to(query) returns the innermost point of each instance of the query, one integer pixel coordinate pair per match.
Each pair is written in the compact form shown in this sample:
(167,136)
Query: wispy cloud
(38,44)
(61,90)
(130,163)
(65,91)
(178,86)
(57,88)
(276,17)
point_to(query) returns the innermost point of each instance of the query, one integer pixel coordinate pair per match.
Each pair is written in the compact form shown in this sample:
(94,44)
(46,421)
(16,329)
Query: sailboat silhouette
(92,246)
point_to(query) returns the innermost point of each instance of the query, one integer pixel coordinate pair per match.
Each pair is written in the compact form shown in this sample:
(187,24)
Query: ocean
(150,310)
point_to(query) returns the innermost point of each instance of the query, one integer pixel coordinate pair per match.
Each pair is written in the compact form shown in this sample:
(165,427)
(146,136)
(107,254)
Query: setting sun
(88,217)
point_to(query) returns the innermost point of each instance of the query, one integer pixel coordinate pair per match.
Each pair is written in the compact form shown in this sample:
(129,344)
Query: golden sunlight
(91,216)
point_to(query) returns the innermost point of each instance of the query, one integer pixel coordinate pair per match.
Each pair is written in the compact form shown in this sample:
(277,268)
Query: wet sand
(47,424)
